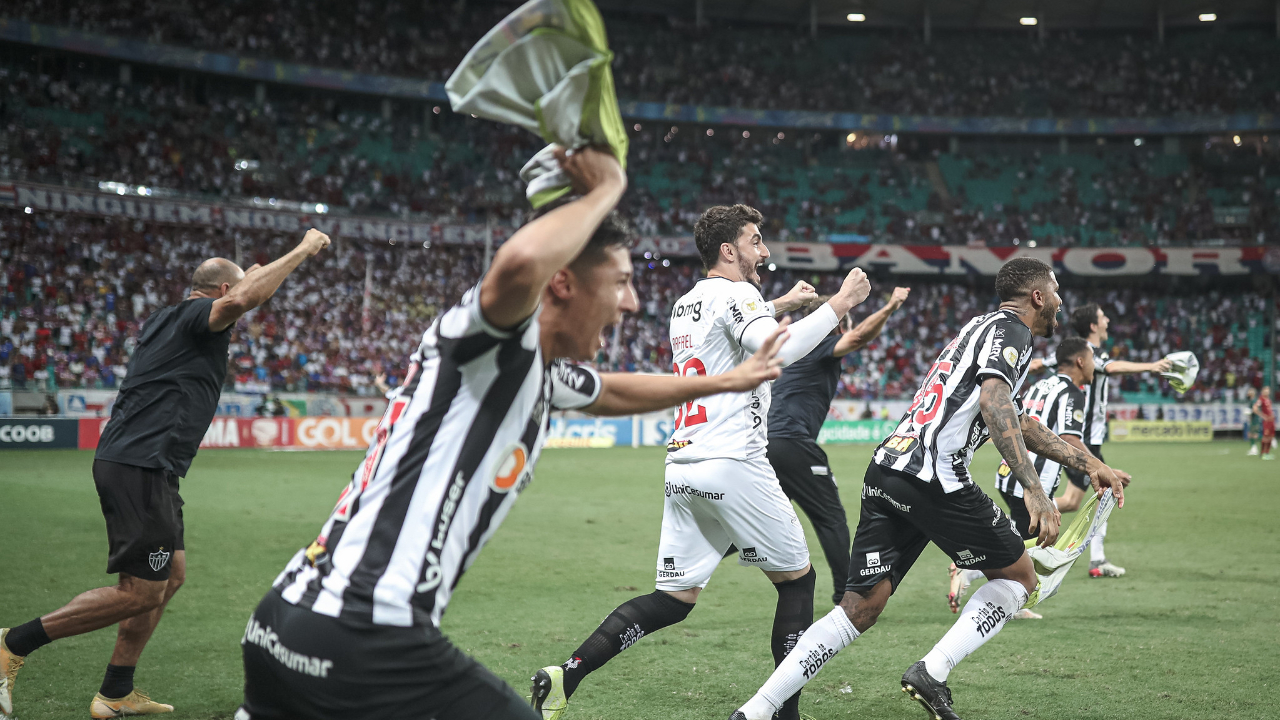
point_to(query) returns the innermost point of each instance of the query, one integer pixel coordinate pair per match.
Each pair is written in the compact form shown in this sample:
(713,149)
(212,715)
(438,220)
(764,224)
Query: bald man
(165,405)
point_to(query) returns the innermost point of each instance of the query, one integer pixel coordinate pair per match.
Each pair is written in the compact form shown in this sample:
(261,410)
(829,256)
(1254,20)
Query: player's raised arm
(807,333)
(998,411)
(1124,367)
(1042,441)
(257,284)
(524,264)
(799,296)
(630,393)
(869,329)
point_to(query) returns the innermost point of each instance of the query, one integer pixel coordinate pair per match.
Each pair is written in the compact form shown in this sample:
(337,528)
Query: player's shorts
(1079,479)
(300,665)
(1268,430)
(712,504)
(1019,514)
(144,518)
(901,514)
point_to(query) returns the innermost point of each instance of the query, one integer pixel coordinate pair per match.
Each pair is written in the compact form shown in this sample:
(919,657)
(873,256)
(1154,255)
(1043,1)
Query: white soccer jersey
(1059,404)
(706,339)
(939,433)
(455,448)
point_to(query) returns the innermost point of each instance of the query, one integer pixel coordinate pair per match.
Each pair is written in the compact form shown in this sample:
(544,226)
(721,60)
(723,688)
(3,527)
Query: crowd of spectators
(668,59)
(73,127)
(75,291)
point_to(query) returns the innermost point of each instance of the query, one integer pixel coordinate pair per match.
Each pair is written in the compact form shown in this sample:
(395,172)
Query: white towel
(545,68)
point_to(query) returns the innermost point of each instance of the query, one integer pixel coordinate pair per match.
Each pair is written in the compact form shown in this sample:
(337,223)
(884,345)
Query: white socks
(819,644)
(1096,553)
(983,616)
(971,575)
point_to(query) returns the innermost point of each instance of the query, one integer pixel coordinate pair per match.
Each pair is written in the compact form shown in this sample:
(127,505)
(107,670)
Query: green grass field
(1191,632)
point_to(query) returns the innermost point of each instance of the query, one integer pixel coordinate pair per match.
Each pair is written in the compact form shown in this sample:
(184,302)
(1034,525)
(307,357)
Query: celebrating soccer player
(918,490)
(799,404)
(165,405)
(1262,409)
(720,488)
(350,630)
(1057,402)
(1091,324)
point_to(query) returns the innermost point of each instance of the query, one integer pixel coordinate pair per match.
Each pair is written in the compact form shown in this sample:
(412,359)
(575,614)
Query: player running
(918,490)
(1262,409)
(1057,402)
(1252,424)
(1091,323)
(720,488)
(799,404)
(165,405)
(350,630)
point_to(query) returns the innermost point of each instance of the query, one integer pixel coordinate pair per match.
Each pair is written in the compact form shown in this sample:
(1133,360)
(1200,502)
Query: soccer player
(1253,423)
(918,490)
(350,629)
(720,488)
(1058,403)
(1091,323)
(799,404)
(1262,409)
(164,407)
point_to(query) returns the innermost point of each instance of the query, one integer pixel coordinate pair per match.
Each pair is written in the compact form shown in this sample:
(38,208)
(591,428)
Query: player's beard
(1050,318)
(749,272)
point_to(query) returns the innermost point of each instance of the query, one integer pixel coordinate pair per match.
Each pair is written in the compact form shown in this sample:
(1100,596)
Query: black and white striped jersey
(1095,414)
(456,446)
(939,433)
(1059,404)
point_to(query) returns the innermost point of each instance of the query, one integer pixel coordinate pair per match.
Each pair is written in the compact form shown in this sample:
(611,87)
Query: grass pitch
(1191,632)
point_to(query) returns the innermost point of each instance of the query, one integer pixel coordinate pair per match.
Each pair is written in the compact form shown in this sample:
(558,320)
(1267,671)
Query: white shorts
(712,504)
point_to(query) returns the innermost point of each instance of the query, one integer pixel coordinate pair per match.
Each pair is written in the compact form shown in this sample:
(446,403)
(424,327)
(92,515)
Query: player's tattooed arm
(1042,441)
(998,411)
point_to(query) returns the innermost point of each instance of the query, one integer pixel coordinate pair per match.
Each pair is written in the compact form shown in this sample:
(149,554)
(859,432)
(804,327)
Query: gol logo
(511,469)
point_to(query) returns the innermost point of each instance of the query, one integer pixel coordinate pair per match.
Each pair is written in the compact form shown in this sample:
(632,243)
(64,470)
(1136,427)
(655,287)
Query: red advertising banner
(234,432)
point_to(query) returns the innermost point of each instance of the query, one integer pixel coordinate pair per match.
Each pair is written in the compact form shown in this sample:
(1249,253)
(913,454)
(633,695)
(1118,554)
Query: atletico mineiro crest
(158,559)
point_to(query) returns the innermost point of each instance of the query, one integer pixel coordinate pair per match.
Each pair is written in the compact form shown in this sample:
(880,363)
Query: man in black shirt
(164,407)
(801,398)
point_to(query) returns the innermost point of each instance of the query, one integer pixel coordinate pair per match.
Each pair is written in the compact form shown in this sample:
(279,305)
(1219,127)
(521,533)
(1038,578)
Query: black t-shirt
(802,395)
(171,391)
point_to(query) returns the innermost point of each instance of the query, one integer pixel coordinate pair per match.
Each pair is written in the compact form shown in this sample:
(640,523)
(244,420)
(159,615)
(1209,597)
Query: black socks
(26,639)
(793,616)
(118,682)
(623,628)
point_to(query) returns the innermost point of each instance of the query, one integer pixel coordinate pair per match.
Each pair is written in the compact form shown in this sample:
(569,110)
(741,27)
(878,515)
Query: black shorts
(1018,512)
(1080,479)
(901,514)
(300,665)
(144,518)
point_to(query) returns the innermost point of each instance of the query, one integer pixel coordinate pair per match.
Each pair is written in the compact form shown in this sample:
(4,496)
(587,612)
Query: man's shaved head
(213,273)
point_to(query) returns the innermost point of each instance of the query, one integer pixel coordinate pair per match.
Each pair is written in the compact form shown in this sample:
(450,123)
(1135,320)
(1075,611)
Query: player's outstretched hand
(1163,365)
(799,296)
(313,242)
(899,296)
(1108,477)
(589,168)
(763,366)
(856,287)
(1045,518)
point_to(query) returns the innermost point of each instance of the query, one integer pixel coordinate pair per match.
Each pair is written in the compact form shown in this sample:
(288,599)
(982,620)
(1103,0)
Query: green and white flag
(1053,563)
(545,68)
(1183,373)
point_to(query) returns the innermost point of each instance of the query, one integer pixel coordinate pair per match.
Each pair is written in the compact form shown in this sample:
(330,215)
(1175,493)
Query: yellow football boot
(547,694)
(135,703)
(10,664)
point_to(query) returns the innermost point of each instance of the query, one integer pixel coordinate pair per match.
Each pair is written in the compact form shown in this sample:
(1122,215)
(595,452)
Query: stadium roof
(964,14)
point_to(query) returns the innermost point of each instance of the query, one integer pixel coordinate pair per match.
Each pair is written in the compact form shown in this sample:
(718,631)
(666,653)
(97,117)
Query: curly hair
(721,224)
(1019,277)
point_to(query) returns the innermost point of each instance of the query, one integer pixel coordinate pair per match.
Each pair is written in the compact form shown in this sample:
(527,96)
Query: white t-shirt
(706,339)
